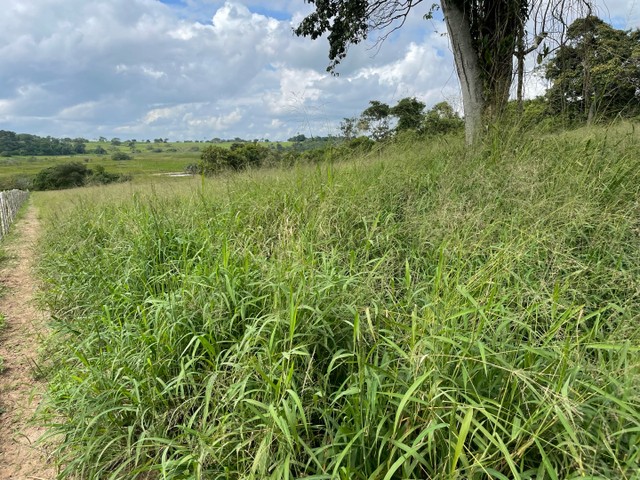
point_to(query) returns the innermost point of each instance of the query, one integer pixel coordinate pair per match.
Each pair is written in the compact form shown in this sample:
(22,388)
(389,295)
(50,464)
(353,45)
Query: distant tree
(297,138)
(214,159)
(375,120)
(116,141)
(239,156)
(79,146)
(349,128)
(33,145)
(597,72)
(409,112)
(442,118)
(99,150)
(250,154)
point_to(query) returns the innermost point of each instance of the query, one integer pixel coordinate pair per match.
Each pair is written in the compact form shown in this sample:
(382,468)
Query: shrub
(102,177)
(66,175)
(192,168)
(69,175)
(120,156)
(442,119)
(215,159)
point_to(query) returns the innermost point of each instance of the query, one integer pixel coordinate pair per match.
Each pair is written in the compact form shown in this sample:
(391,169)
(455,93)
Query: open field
(148,158)
(426,312)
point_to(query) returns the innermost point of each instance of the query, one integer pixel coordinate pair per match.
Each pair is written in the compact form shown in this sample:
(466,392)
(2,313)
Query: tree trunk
(468,68)
(520,54)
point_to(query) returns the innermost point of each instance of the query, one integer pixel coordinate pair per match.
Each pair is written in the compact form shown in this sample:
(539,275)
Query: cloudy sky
(198,69)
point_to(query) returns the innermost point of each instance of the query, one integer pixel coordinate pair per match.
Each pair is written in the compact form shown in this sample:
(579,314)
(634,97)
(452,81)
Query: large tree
(485,35)
(596,72)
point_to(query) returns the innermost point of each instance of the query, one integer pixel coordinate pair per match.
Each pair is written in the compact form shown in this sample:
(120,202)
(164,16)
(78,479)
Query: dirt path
(20,459)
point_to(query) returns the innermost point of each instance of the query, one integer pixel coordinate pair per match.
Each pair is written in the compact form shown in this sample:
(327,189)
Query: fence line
(10,203)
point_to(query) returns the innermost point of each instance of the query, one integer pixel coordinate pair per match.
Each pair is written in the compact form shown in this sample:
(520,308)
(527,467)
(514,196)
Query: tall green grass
(429,312)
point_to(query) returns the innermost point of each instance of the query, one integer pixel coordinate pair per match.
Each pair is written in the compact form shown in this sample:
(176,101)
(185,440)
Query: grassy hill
(425,312)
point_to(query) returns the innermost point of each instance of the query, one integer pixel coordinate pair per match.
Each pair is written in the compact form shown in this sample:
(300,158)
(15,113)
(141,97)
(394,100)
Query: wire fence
(10,203)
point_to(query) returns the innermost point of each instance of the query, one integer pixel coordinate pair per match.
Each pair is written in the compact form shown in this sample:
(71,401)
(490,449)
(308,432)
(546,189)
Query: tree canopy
(408,114)
(596,72)
(12,143)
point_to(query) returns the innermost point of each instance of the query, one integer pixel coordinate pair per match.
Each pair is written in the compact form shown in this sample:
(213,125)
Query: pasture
(422,312)
(147,159)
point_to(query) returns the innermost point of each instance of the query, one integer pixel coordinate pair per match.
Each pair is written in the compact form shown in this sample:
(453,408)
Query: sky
(200,69)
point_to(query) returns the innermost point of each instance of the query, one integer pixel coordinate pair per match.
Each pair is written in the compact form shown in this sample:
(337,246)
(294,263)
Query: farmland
(146,159)
(426,311)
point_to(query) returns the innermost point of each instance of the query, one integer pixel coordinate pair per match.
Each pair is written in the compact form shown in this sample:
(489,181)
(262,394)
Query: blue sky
(198,69)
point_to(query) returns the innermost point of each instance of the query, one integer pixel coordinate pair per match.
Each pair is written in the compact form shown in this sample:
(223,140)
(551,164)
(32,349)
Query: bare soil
(21,458)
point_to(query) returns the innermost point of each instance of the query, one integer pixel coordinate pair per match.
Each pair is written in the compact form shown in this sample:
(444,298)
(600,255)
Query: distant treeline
(12,143)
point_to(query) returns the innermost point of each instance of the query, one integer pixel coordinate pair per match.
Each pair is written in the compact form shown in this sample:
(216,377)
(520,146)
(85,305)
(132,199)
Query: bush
(240,156)
(66,175)
(18,182)
(69,175)
(102,177)
(192,169)
(442,119)
(360,144)
(120,156)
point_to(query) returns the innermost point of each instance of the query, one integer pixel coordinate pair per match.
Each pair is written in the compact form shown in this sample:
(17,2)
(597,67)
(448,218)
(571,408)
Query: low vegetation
(74,174)
(421,312)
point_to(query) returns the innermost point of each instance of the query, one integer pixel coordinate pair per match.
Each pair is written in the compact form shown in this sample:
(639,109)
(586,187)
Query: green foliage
(350,22)
(239,156)
(215,159)
(17,181)
(193,169)
(596,73)
(100,176)
(360,144)
(119,156)
(74,174)
(12,143)
(298,138)
(375,120)
(442,119)
(410,114)
(67,175)
(429,312)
